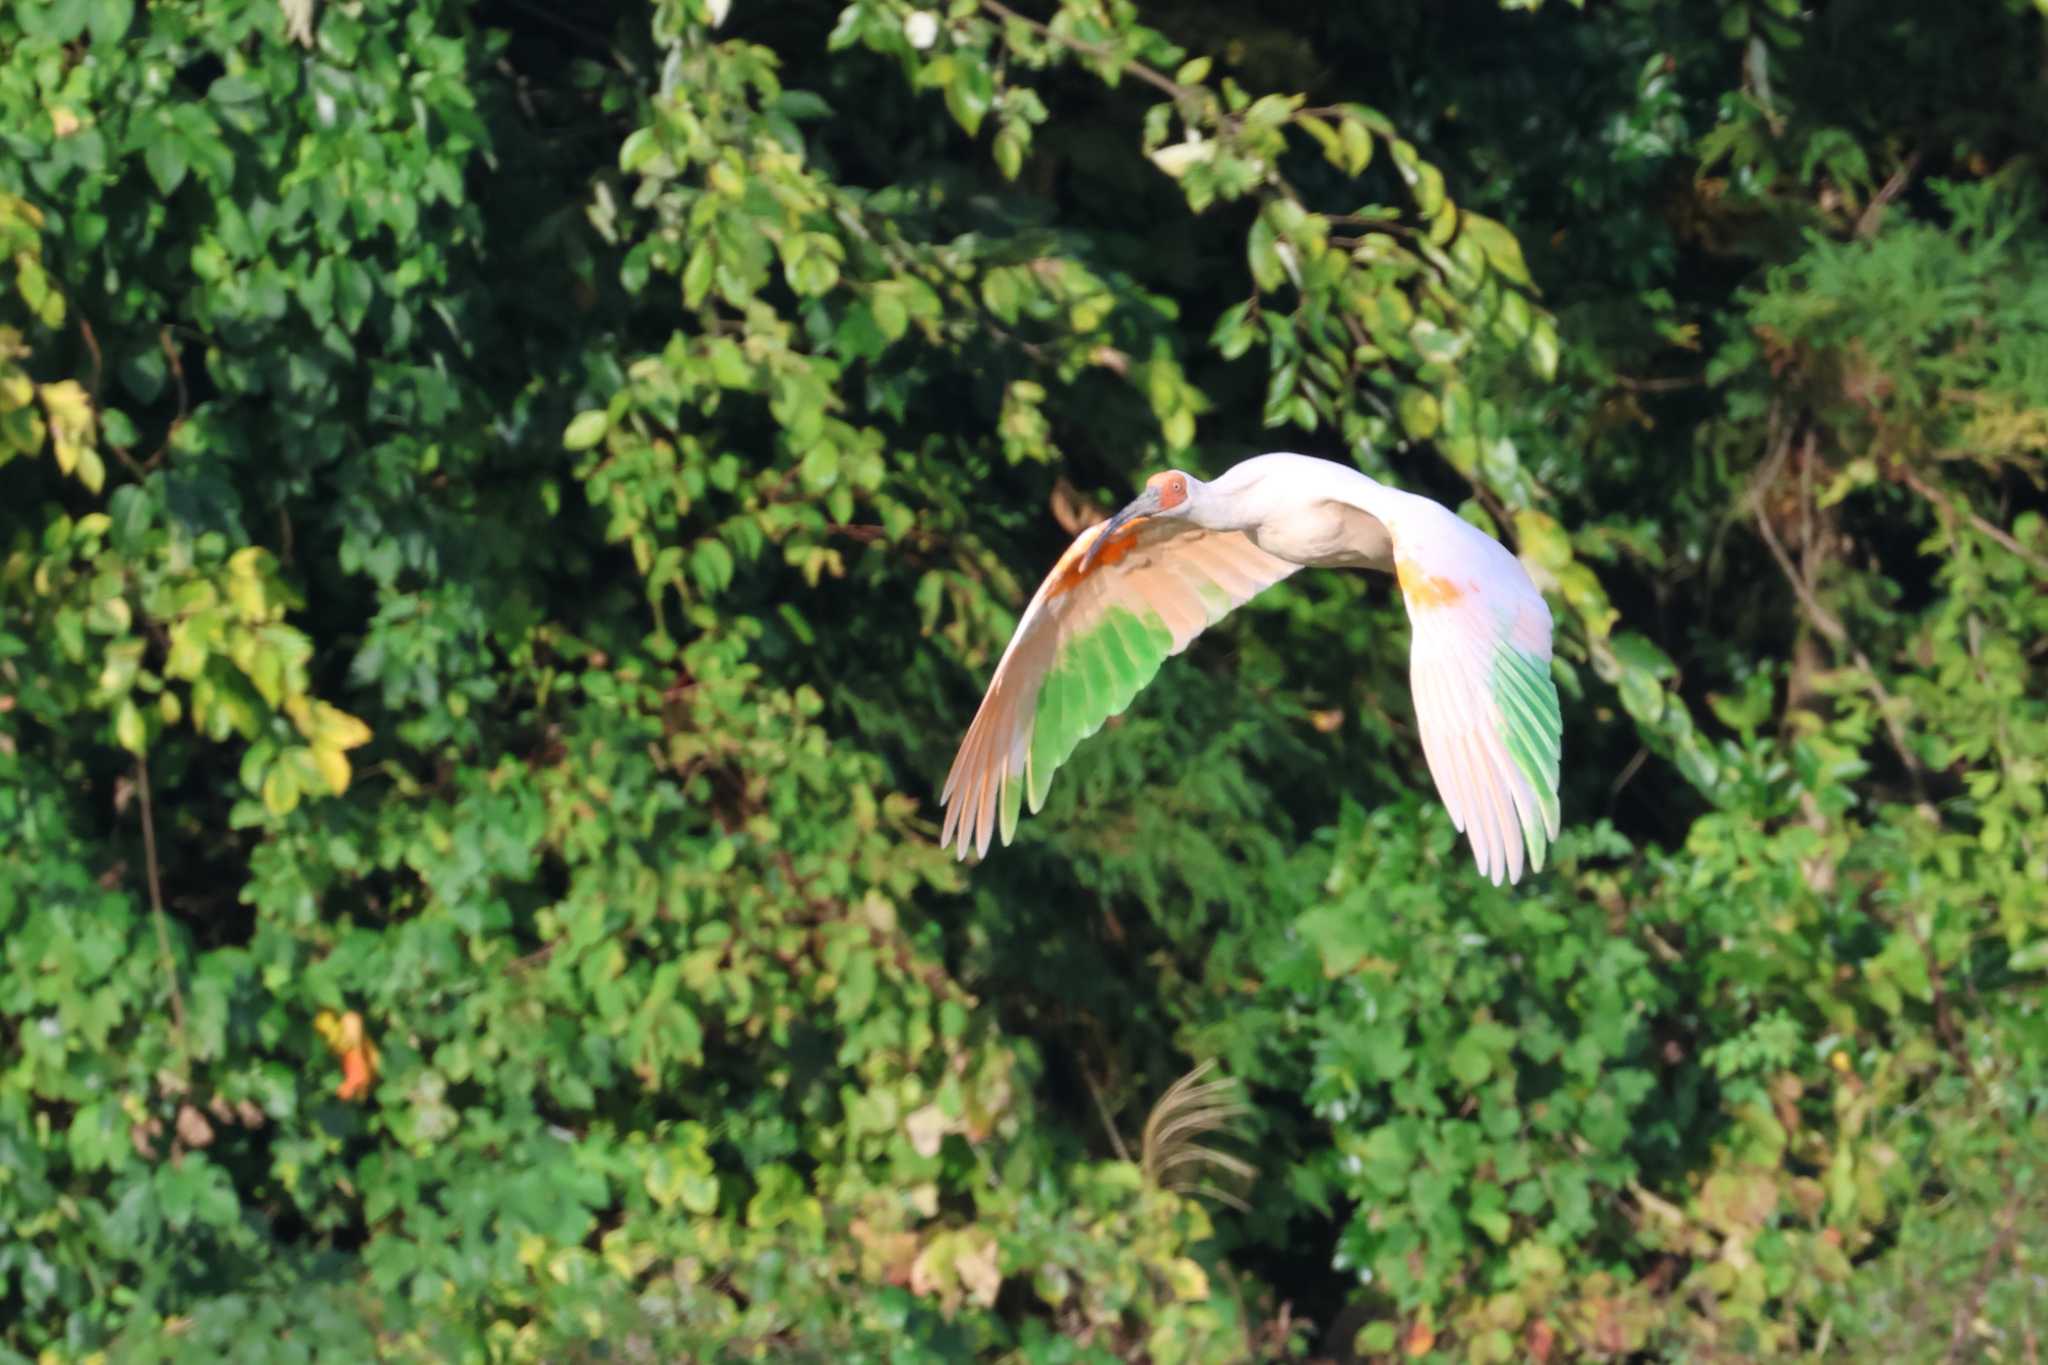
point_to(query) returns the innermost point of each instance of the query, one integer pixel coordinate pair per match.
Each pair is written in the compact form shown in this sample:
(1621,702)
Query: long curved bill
(1146,504)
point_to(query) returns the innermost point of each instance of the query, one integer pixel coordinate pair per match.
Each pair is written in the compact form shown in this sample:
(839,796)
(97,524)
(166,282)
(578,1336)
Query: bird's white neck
(1302,509)
(1249,492)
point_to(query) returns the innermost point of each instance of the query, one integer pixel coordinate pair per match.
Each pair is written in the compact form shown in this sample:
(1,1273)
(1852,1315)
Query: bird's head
(1168,494)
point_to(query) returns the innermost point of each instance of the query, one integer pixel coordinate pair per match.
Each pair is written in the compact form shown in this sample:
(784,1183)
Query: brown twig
(170,351)
(535,958)
(1628,772)
(1873,212)
(2001,1247)
(92,343)
(1825,621)
(1670,384)
(1156,79)
(177,370)
(1116,1139)
(1944,1017)
(1947,504)
(156,905)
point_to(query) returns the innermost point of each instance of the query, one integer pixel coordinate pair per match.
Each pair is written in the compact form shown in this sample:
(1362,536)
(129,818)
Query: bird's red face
(1163,493)
(1172,488)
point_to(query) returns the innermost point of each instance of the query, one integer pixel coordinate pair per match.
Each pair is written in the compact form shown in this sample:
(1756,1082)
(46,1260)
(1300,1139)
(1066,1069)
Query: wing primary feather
(951,824)
(1123,658)
(1083,649)
(973,782)
(1484,829)
(1525,734)
(1045,728)
(985,818)
(1483,734)
(1083,663)
(1435,739)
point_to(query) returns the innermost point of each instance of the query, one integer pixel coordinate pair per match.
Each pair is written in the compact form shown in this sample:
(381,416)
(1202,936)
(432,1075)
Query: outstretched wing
(1480,670)
(1087,643)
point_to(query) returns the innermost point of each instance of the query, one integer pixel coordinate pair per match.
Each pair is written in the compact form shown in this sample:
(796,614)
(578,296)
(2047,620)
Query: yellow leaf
(332,725)
(1190,1282)
(280,791)
(333,768)
(188,650)
(347,1039)
(246,591)
(123,661)
(128,727)
(1544,543)
(68,403)
(927,1128)
(977,1269)
(71,430)
(929,1274)
(328,1025)
(263,668)
(1420,413)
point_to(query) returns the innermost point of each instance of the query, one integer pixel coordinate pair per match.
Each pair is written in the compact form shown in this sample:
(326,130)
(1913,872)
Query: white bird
(1134,590)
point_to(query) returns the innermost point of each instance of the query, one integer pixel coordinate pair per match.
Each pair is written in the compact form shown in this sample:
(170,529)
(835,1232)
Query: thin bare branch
(1666,384)
(1873,213)
(1824,621)
(2001,1247)
(1116,1139)
(1158,80)
(1949,505)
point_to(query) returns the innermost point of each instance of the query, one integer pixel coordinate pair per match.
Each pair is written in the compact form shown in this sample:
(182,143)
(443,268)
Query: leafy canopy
(508,509)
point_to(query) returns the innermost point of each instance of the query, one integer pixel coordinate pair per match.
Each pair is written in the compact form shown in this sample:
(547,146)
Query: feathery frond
(1171,1153)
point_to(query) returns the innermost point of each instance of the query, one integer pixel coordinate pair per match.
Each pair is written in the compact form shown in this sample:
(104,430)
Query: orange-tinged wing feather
(1085,646)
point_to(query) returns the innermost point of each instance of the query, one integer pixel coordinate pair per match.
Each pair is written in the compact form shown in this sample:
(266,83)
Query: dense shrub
(508,509)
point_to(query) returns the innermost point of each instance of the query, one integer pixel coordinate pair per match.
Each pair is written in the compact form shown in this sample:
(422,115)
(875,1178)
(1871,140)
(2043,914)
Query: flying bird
(1132,591)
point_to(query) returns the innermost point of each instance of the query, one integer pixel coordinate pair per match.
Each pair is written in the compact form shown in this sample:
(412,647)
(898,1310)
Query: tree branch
(2001,1247)
(1947,504)
(1873,213)
(1824,621)
(1158,80)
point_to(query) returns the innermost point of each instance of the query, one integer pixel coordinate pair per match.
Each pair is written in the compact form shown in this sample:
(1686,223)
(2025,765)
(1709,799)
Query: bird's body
(1136,589)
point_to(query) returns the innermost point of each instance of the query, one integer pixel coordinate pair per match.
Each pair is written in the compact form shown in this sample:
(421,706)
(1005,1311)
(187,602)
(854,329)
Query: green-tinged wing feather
(1013,804)
(1089,642)
(1542,724)
(1533,729)
(1125,631)
(1051,739)
(1096,676)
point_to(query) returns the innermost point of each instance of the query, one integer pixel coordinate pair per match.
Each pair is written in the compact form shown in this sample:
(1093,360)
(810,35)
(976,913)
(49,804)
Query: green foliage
(507,514)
